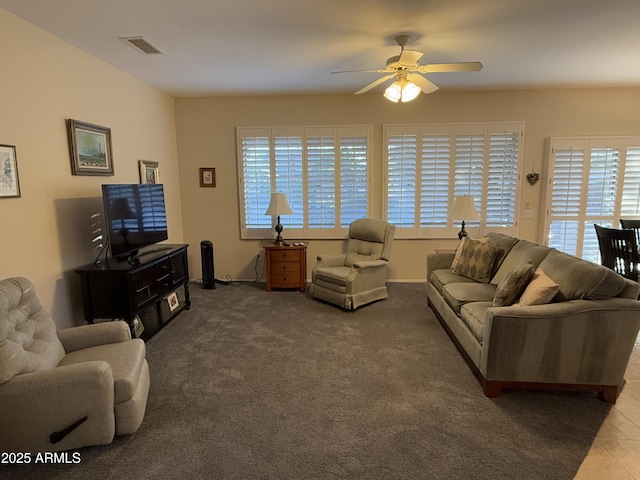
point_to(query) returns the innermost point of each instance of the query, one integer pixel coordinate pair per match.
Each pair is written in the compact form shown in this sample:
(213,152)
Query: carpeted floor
(256,385)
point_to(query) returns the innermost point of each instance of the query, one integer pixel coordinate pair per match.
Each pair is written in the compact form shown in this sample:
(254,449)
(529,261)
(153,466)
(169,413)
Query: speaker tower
(208,275)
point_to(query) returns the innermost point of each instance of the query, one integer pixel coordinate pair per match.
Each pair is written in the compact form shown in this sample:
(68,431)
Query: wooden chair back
(618,251)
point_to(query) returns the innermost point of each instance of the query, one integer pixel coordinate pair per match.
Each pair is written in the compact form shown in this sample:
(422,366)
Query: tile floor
(615,453)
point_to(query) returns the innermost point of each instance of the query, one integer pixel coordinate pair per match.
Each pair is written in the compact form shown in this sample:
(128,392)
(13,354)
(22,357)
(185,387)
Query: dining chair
(632,224)
(618,251)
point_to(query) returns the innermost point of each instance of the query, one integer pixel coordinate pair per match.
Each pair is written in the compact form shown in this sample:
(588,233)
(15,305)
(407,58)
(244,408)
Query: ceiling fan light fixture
(410,91)
(401,90)
(393,92)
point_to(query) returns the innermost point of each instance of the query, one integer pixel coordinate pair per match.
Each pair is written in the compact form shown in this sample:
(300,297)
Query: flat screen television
(135,217)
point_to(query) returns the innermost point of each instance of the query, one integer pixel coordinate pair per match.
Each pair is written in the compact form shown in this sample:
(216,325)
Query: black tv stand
(148,290)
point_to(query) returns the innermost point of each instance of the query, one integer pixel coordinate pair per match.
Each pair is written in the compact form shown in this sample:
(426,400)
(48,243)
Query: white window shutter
(354,179)
(434,180)
(401,180)
(630,204)
(321,160)
(256,181)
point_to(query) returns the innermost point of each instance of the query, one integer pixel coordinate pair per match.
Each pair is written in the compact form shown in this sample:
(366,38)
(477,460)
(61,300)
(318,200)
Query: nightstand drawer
(285,268)
(285,280)
(285,255)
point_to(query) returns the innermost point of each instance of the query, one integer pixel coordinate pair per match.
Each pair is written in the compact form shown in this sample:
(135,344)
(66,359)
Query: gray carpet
(257,385)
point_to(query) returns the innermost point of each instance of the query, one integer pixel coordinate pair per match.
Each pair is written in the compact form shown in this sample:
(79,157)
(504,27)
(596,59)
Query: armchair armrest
(330,260)
(364,264)
(85,336)
(35,405)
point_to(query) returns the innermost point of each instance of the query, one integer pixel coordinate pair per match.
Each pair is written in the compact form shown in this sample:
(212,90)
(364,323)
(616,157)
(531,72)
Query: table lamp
(464,208)
(278,206)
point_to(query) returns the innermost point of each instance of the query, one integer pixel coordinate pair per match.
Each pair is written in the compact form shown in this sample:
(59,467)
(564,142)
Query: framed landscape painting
(9,183)
(90,148)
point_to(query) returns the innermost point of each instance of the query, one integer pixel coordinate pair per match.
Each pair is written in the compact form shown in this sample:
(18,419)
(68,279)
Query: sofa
(526,316)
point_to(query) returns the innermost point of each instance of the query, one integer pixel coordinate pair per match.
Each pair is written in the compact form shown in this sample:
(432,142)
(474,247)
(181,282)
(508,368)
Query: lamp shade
(464,208)
(278,205)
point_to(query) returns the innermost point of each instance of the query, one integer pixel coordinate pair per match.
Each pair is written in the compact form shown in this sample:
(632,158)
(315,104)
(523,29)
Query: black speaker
(208,275)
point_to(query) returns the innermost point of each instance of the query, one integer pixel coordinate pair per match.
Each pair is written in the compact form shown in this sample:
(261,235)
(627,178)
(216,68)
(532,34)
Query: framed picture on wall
(90,148)
(207,177)
(9,183)
(149,171)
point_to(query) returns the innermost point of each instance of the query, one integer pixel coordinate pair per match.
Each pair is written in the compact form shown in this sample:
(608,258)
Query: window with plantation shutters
(324,172)
(594,180)
(427,166)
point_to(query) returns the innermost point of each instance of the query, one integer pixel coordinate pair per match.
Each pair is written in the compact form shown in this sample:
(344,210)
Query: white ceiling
(252,47)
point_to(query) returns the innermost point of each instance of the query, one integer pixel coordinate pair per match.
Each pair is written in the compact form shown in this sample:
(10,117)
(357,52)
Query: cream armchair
(67,389)
(357,277)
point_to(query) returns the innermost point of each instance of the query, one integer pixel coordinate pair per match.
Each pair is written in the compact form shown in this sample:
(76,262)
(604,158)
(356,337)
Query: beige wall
(206,138)
(45,233)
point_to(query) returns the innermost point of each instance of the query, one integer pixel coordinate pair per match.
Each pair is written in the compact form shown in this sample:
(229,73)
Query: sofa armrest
(437,261)
(85,336)
(35,405)
(578,341)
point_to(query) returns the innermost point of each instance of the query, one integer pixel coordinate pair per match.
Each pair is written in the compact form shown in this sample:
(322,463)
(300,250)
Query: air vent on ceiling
(143,45)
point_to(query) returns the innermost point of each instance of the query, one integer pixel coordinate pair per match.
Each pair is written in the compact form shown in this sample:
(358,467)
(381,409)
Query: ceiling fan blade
(366,70)
(409,57)
(425,85)
(451,67)
(376,83)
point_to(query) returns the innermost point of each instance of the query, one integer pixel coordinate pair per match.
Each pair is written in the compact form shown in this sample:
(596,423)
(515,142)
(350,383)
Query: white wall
(206,138)
(45,233)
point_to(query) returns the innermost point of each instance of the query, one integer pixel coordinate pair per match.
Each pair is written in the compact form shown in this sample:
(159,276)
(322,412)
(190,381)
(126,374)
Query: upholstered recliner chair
(358,276)
(67,389)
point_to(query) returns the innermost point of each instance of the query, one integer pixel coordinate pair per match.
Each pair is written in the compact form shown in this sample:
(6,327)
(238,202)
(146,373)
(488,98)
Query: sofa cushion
(476,260)
(334,275)
(510,289)
(540,291)
(579,279)
(504,244)
(443,276)
(458,294)
(473,315)
(522,252)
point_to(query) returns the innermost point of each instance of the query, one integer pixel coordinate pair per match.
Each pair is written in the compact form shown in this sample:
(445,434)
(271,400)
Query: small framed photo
(9,183)
(173,301)
(90,148)
(207,177)
(149,172)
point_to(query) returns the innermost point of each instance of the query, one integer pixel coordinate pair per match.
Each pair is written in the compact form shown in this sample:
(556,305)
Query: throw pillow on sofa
(540,291)
(456,257)
(510,289)
(476,260)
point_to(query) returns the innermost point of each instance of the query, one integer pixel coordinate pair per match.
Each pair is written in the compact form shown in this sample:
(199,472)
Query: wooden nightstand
(286,266)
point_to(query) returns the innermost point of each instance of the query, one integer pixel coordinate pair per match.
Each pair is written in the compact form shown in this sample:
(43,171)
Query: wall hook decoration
(533,177)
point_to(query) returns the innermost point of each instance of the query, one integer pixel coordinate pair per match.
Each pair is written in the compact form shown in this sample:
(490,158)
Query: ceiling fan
(407,72)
